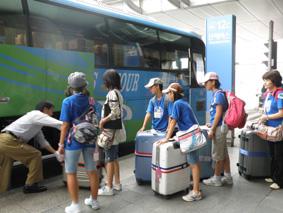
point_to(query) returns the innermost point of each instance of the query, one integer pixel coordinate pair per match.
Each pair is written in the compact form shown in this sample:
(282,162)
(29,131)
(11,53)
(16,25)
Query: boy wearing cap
(217,132)
(157,108)
(73,107)
(182,115)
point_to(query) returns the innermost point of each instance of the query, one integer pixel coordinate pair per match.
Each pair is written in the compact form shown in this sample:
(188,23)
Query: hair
(217,84)
(112,79)
(70,91)
(274,76)
(160,86)
(177,96)
(44,104)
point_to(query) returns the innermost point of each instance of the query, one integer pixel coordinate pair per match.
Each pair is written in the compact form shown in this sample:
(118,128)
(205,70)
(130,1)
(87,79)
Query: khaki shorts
(219,145)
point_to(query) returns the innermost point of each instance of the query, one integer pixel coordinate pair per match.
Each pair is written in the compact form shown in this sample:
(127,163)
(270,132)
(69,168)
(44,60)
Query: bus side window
(101,53)
(12,32)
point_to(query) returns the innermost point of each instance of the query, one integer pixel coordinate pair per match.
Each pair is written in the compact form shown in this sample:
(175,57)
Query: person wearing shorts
(218,132)
(182,115)
(72,108)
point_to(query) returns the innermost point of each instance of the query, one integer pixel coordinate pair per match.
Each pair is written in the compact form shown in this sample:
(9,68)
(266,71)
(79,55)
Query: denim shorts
(111,154)
(72,158)
(193,157)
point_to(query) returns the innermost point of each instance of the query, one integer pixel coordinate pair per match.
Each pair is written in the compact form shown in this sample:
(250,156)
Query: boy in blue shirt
(217,132)
(157,108)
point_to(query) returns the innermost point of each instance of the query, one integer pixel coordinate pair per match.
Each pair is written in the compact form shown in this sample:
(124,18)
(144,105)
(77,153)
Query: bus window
(101,53)
(12,23)
(126,55)
(198,67)
(174,60)
(64,28)
(174,51)
(134,45)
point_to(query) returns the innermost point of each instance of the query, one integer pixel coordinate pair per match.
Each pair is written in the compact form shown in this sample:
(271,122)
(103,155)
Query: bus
(43,41)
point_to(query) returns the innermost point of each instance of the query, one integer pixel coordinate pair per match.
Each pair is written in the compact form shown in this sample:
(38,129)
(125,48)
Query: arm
(146,119)
(46,120)
(218,115)
(64,129)
(171,127)
(114,107)
(277,115)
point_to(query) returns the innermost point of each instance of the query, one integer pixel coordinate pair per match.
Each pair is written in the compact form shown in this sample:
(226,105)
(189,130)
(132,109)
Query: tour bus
(43,41)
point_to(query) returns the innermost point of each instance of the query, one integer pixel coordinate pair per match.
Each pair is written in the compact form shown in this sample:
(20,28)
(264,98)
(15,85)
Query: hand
(141,129)
(162,141)
(208,125)
(60,150)
(59,157)
(211,134)
(101,123)
(263,119)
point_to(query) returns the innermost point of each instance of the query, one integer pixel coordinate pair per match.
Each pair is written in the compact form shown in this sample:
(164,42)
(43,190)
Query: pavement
(243,196)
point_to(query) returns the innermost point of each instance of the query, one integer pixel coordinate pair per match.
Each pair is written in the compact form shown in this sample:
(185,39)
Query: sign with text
(220,50)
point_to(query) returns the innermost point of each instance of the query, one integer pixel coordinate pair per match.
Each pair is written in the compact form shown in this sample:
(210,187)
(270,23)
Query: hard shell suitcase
(83,180)
(143,153)
(170,172)
(254,157)
(205,159)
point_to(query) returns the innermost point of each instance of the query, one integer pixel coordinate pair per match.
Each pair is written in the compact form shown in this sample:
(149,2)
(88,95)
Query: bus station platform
(243,196)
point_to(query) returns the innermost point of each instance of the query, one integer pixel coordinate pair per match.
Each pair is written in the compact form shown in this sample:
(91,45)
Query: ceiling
(252,16)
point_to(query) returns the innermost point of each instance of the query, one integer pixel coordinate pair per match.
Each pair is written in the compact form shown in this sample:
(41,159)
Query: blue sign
(220,50)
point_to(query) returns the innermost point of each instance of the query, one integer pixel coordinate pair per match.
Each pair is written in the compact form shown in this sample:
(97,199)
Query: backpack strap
(276,92)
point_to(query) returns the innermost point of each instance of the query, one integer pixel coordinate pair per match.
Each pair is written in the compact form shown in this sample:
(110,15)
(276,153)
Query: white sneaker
(117,187)
(212,182)
(73,208)
(92,203)
(192,196)
(105,190)
(274,186)
(268,180)
(227,180)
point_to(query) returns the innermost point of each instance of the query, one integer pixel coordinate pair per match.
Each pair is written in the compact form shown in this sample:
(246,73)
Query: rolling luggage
(205,159)
(143,153)
(83,180)
(254,157)
(170,172)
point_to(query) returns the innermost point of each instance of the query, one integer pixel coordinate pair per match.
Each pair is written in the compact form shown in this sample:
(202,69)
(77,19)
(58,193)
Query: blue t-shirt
(272,106)
(218,99)
(183,114)
(159,113)
(72,108)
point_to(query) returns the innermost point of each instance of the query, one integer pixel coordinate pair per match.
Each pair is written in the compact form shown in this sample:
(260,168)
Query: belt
(11,133)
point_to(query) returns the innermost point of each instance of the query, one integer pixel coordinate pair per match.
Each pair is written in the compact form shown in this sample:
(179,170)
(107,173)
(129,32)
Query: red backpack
(235,116)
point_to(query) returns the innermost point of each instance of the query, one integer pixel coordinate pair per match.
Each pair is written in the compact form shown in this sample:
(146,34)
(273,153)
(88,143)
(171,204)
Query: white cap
(210,76)
(153,81)
(77,80)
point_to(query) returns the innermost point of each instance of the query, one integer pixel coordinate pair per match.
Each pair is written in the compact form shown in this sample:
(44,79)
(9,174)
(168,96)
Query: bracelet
(61,145)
